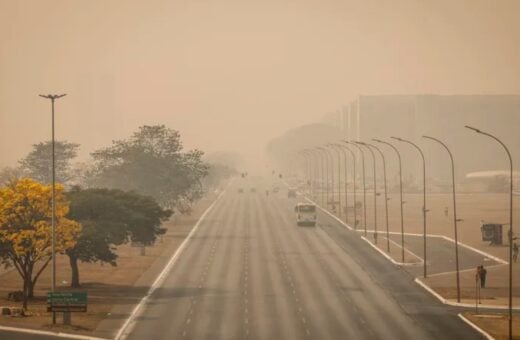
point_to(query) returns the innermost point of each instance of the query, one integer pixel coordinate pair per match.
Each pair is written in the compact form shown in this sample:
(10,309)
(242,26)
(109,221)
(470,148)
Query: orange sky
(231,74)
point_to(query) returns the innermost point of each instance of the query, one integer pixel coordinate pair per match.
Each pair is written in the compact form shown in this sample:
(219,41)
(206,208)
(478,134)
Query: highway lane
(251,273)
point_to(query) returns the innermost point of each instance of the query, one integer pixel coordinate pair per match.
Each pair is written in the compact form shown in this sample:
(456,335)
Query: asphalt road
(251,273)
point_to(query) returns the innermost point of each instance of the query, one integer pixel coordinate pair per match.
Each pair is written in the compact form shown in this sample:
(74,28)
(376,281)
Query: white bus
(305,214)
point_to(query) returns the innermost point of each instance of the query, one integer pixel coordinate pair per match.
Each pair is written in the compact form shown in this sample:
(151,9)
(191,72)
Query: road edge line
(481,252)
(328,213)
(388,257)
(129,323)
(457,304)
(49,333)
(477,328)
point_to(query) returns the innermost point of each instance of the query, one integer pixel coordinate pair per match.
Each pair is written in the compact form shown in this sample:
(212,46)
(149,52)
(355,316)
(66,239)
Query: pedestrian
(515,251)
(446,211)
(482,273)
(477,274)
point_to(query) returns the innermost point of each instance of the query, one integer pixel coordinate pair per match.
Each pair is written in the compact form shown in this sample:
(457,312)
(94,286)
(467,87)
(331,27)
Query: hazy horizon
(231,75)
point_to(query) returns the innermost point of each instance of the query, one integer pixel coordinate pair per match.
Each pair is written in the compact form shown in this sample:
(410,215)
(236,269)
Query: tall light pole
(510,225)
(323,173)
(364,184)
(311,153)
(386,195)
(344,147)
(424,210)
(304,154)
(455,220)
(400,192)
(375,188)
(53,97)
(330,166)
(332,146)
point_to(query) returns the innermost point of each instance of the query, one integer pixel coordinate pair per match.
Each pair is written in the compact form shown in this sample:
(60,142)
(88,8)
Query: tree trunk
(30,289)
(26,282)
(74,281)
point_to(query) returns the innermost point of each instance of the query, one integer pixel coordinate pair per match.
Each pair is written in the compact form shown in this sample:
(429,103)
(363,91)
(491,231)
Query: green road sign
(67,302)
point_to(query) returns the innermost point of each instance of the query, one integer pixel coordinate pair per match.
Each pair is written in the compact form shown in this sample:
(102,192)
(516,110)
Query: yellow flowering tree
(25,229)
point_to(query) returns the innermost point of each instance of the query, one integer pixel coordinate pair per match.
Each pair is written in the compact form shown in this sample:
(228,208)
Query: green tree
(38,163)
(152,163)
(111,218)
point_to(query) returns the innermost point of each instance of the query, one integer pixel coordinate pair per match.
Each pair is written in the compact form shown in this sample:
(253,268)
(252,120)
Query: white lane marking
(464,270)
(477,328)
(129,324)
(458,304)
(388,257)
(407,250)
(48,333)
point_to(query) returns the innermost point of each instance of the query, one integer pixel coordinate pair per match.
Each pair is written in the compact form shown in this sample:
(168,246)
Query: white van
(305,214)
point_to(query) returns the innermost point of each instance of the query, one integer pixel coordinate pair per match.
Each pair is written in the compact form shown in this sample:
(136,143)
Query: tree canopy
(152,163)
(25,228)
(38,163)
(111,217)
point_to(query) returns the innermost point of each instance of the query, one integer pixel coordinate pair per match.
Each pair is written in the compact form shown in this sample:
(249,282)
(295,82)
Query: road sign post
(67,302)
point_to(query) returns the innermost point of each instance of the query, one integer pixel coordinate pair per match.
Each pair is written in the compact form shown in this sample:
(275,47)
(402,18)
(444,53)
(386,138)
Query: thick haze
(230,75)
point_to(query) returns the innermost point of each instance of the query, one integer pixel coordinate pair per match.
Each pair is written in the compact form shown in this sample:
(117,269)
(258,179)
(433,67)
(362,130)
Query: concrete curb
(458,304)
(477,328)
(388,257)
(49,333)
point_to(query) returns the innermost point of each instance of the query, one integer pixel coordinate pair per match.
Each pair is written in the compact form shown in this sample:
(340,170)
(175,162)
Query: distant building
(443,117)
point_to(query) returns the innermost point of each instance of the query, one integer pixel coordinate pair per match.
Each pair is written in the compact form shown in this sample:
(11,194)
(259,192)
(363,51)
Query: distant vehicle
(276,189)
(291,193)
(253,190)
(240,190)
(305,214)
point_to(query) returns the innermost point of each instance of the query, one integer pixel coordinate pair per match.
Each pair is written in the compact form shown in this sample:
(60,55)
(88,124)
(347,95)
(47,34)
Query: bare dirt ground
(107,286)
(495,325)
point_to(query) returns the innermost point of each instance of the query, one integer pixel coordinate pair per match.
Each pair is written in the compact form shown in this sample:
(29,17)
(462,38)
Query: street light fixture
(344,147)
(323,174)
(53,97)
(455,220)
(400,192)
(510,225)
(364,184)
(329,168)
(424,210)
(375,188)
(386,195)
(339,177)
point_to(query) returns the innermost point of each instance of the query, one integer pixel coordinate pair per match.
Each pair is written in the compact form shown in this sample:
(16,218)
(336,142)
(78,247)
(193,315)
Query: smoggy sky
(231,74)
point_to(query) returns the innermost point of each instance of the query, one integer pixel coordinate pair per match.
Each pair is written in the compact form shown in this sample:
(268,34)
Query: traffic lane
(169,308)
(343,300)
(276,310)
(440,320)
(441,255)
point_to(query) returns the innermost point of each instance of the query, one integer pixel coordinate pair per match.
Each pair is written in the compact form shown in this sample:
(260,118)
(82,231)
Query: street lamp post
(330,158)
(323,174)
(510,225)
(344,147)
(424,210)
(364,184)
(329,170)
(307,171)
(386,195)
(53,97)
(375,188)
(339,177)
(400,192)
(455,220)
